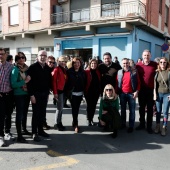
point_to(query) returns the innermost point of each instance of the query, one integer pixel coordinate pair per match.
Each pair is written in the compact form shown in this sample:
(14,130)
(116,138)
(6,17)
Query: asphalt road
(91,149)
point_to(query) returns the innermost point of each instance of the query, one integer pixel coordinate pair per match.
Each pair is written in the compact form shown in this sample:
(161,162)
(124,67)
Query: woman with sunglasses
(162,94)
(75,88)
(108,112)
(92,90)
(19,80)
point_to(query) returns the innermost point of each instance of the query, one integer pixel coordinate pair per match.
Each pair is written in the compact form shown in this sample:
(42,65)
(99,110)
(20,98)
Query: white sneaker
(8,136)
(2,142)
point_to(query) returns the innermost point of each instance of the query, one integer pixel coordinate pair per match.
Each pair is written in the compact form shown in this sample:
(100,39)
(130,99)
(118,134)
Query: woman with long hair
(19,80)
(92,90)
(109,110)
(162,94)
(75,87)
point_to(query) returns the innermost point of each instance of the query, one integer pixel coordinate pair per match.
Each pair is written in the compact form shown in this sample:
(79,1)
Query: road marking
(68,161)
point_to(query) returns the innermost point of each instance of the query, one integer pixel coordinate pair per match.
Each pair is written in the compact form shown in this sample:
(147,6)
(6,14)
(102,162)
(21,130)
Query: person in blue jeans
(22,99)
(162,94)
(128,87)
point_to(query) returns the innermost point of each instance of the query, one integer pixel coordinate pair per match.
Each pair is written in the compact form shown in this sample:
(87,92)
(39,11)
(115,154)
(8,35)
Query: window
(160,6)
(50,50)
(14,15)
(166,15)
(35,10)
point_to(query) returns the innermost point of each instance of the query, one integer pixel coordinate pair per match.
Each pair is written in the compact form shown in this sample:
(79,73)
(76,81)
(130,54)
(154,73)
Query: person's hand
(102,123)
(56,96)
(135,94)
(168,98)
(33,100)
(104,112)
(28,78)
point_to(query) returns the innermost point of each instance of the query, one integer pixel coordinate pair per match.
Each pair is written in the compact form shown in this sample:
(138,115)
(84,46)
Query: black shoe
(59,127)
(43,134)
(114,134)
(21,140)
(26,132)
(66,106)
(36,138)
(46,127)
(130,130)
(140,127)
(149,130)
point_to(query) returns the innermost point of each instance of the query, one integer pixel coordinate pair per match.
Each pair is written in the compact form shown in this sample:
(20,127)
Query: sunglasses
(21,58)
(163,62)
(108,89)
(51,62)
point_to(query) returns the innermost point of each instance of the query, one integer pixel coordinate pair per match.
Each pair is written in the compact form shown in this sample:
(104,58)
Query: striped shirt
(5,72)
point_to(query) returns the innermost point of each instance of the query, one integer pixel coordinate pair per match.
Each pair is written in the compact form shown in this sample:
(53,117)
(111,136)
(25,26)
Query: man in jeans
(146,70)
(6,97)
(38,89)
(128,88)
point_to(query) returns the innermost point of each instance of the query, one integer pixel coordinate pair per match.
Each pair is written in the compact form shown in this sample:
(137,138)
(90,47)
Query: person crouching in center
(109,110)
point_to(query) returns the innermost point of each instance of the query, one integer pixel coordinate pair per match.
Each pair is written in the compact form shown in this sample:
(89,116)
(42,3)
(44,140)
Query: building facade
(87,29)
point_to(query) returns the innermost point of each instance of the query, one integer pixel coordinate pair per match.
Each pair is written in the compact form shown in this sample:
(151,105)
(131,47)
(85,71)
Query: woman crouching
(109,110)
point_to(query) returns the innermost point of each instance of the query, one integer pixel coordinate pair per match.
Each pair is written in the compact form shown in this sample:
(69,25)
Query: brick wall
(153,15)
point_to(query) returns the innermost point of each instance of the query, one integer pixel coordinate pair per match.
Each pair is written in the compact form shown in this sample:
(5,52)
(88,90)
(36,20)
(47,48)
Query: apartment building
(85,28)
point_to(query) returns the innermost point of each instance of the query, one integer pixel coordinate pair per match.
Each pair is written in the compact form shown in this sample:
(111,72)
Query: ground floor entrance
(85,54)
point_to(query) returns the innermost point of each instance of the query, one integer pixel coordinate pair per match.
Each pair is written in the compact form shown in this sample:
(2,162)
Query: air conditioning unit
(62,1)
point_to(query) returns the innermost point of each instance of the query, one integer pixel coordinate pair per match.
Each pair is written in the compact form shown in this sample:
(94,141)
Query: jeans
(145,97)
(6,110)
(162,102)
(75,104)
(124,99)
(22,104)
(39,111)
(59,111)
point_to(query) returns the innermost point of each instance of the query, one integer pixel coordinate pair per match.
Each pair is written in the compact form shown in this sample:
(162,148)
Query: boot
(20,138)
(164,131)
(157,128)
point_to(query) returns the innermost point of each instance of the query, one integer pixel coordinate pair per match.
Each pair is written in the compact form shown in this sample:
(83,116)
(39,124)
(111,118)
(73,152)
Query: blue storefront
(119,42)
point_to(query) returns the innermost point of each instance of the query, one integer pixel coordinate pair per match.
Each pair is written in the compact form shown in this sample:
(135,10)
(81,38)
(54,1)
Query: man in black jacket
(108,70)
(38,89)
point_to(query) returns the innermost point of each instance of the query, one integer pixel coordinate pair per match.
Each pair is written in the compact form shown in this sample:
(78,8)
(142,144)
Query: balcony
(132,9)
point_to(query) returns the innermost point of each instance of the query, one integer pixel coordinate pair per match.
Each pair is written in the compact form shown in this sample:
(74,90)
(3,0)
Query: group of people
(20,84)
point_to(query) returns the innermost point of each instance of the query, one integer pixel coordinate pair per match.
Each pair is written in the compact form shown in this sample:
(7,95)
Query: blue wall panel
(77,44)
(116,46)
(143,45)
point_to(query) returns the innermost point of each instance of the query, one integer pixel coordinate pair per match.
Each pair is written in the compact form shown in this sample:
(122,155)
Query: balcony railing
(103,12)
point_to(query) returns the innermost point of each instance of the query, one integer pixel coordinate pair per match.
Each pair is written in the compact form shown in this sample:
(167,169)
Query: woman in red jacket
(92,90)
(58,82)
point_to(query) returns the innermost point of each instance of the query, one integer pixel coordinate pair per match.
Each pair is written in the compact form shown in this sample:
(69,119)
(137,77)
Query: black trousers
(146,99)
(75,104)
(6,110)
(91,99)
(39,111)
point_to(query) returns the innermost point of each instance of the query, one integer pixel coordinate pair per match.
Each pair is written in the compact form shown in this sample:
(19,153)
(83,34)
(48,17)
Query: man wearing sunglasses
(146,70)
(6,97)
(128,87)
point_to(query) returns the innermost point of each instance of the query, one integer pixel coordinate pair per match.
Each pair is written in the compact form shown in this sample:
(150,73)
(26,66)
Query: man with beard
(108,70)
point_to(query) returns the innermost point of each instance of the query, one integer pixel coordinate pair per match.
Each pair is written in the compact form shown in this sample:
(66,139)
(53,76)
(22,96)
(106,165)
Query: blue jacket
(133,76)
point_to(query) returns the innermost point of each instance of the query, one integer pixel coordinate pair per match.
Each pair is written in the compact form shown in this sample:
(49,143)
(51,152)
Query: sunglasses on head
(51,62)
(108,89)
